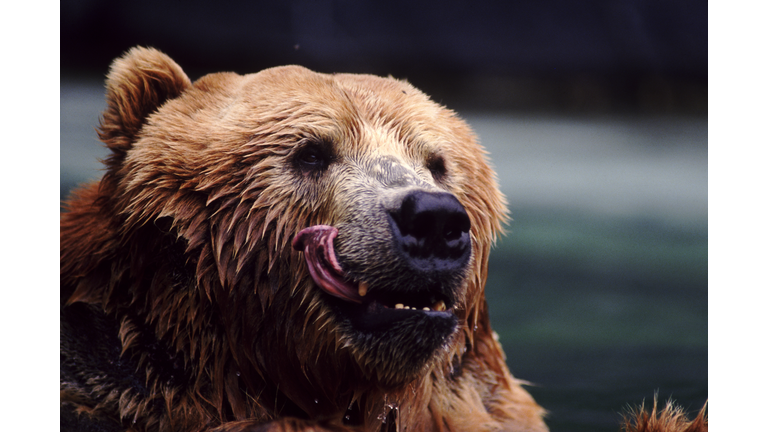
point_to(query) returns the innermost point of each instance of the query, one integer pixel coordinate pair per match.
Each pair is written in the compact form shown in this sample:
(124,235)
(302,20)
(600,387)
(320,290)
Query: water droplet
(237,373)
(317,401)
(475,329)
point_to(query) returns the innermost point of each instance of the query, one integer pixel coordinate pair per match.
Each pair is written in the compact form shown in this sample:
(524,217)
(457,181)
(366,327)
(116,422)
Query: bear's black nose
(431,230)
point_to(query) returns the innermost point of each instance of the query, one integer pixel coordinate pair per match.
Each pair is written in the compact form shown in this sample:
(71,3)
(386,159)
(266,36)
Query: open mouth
(372,307)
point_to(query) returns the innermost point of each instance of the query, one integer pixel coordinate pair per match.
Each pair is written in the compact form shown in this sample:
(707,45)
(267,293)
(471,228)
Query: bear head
(324,234)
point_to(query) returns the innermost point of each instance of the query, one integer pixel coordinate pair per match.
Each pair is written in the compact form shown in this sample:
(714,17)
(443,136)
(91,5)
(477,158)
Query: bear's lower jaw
(394,344)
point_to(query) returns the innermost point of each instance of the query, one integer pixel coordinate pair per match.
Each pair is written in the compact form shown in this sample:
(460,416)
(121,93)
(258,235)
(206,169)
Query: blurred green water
(601,314)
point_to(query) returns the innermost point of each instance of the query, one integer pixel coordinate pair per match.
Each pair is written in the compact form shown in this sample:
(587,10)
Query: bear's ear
(138,83)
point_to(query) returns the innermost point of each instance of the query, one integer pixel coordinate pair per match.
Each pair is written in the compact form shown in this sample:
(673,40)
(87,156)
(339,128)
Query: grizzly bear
(285,250)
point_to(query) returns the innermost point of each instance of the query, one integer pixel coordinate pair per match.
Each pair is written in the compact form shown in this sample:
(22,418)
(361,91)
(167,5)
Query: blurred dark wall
(636,56)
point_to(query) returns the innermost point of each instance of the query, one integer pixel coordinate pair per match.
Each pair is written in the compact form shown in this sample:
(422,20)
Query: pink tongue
(317,244)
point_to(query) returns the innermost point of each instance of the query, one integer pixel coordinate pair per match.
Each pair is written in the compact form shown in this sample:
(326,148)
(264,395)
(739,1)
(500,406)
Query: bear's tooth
(426,308)
(362,289)
(439,306)
(399,306)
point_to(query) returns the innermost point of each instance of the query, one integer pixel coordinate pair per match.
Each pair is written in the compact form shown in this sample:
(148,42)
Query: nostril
(455,227)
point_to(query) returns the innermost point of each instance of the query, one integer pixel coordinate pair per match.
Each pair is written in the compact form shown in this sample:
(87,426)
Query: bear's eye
(436,165)
(312,158)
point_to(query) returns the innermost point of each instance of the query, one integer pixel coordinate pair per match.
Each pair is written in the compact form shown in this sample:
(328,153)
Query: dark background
(600,55)
(595,116)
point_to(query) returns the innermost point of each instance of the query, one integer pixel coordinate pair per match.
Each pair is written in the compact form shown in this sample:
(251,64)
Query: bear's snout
(430,231)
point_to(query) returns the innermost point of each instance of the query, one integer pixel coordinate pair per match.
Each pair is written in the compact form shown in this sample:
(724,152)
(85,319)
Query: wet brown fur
(671,419)
(183,250)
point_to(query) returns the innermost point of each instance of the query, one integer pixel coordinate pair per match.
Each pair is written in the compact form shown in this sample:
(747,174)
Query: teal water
(601,314)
